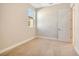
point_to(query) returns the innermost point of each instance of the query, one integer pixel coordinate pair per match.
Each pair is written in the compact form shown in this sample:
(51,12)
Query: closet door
(64,25)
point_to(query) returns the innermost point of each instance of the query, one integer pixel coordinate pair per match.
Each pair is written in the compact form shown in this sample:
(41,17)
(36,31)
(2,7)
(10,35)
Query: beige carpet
(43,47)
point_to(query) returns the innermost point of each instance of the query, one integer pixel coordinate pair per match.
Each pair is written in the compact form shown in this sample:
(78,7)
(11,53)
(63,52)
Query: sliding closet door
(64,25)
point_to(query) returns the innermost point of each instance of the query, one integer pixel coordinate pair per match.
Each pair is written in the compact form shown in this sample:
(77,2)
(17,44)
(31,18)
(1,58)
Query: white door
(64,25)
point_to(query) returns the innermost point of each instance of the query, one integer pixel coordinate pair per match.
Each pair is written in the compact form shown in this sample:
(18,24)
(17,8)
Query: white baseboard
(47,37)
(51,38)
(77,51)
(18,44)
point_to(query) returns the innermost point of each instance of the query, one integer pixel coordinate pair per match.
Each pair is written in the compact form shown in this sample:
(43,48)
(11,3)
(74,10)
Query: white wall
(76,27)
(47,20)
(13,25)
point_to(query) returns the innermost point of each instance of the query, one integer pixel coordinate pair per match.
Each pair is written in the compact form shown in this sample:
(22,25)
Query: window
(30,17)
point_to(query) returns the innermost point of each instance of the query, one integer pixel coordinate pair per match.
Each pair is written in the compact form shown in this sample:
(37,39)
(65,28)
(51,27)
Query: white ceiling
(40,5)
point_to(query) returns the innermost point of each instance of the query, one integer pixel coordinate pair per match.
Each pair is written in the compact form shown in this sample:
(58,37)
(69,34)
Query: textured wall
(13,25)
